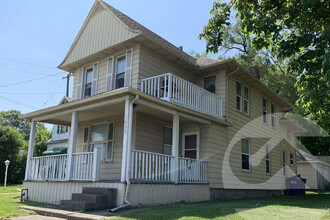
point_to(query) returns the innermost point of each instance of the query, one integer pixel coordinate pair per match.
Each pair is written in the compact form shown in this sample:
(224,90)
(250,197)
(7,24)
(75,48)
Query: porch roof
(61,114)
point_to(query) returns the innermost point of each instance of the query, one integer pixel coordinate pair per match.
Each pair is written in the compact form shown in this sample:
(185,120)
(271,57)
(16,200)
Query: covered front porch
(126,150)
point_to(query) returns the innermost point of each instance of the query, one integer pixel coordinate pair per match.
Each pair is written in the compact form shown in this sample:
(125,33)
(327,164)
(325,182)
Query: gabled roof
(136,29)
(308,157)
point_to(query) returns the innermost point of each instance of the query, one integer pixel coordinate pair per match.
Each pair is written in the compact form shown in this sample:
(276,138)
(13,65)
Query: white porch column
(30,150)
(126,137)
(72,143)
(175,149)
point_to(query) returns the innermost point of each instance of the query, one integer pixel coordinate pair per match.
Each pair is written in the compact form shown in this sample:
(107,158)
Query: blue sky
(36,35)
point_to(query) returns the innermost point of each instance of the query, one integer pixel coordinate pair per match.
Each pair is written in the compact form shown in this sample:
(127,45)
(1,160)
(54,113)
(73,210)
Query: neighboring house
(60,133)
(314,170)
(158,125)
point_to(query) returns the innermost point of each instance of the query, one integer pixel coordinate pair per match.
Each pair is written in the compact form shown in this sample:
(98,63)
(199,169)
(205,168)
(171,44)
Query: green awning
(55,151)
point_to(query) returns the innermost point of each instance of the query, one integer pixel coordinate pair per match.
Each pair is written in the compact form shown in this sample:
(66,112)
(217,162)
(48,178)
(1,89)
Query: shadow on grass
(280,208)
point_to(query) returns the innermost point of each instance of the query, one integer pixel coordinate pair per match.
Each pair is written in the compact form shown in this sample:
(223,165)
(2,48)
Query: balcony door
(190,145)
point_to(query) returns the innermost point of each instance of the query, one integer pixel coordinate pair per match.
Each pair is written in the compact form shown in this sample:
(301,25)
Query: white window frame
(272,113)
(284,158)
(84,81)
(291,160)
(264,116)
(215,83)
(115,73)
(238,96)
(249,154)
(248,104)
(89,143)
(268,159)
(197,142)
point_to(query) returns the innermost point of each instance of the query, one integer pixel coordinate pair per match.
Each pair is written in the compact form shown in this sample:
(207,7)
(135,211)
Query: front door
(190,145)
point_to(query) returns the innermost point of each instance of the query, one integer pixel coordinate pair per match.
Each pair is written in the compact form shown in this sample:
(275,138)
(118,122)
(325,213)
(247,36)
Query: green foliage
(12,118)
(293,30)
(12,147)
(42,136)
(15,148)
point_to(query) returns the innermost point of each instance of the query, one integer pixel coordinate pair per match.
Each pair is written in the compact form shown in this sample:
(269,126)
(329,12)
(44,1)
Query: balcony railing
(176,90)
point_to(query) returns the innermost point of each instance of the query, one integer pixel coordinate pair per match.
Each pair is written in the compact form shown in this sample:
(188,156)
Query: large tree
(292,29)
(12,148)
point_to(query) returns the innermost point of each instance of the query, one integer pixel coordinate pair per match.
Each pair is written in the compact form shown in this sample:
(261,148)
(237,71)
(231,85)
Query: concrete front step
(89,198)
(82,205)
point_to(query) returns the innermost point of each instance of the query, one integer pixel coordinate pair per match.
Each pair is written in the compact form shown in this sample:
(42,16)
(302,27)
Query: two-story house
(158,125)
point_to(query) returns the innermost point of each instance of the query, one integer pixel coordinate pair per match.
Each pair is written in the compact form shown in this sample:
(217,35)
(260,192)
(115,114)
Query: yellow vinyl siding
(152,64)
(103,63)
(102,31)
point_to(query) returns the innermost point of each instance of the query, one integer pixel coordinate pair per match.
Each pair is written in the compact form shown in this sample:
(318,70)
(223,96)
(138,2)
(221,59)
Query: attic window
(209,84)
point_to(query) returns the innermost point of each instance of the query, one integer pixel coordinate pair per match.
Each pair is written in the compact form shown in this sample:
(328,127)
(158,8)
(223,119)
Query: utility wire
(24,71)
(27,81)
(31,93)
(59,85)
(19,103)
(31,64)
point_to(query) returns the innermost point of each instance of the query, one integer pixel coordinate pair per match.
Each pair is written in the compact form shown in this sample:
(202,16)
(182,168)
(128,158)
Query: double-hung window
(284,162)
(88,82)
(267,160)
(238,96)
(245,154)
(209,84)
(272,112)
(120,72)
(264,110)
(246,100)
(291,160)
(100,136)
(62,129)
(167,140)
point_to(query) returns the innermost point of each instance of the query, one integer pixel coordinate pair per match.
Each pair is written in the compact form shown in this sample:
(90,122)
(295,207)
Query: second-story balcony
(174,89)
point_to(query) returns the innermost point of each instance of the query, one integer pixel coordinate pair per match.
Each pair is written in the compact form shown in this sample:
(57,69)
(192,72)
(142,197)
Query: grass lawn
(9,205)
(308,207)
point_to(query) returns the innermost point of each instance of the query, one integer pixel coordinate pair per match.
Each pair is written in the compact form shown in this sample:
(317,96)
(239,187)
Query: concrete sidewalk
(64,214)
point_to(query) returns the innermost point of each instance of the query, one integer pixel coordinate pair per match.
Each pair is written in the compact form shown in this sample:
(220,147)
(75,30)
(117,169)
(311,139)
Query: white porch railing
(174,89)
(85,166)
(192,171)
(150,166)
(48,167)
(82,166)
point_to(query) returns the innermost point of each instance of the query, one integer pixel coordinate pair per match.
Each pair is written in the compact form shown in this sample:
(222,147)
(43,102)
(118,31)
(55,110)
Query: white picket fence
(48,167)
(192,171)
(174,89)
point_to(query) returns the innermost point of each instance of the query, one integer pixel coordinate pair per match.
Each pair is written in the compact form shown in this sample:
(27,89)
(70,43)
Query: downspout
(227,90)
(128,182)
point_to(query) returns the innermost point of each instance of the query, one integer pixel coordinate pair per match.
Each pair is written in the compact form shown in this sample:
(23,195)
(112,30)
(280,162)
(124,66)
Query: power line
(59,85)
(31,64)
(31,93)
(24,71)
(31,80)
(19,103)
